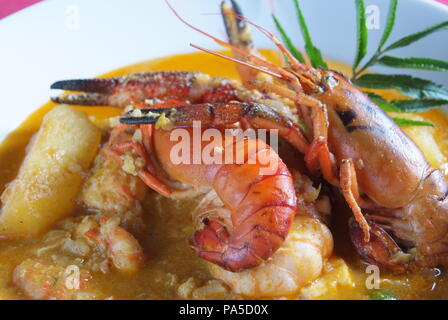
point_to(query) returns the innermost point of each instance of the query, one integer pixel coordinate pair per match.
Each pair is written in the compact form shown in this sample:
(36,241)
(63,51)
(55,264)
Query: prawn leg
(318,153)
(147,172)
(350,192)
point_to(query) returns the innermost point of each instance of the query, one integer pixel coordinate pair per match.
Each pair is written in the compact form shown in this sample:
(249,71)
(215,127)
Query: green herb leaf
(362,34)
(287,41)
(414,63)
(382,294)
(418,105)
(411,123)
(313,53)
(417,36)
(414,87)
(406,106)
(393,4)
(382,103)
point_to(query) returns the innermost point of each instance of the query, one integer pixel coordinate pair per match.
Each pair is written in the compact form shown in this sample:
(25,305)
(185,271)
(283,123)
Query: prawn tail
(262,207)
(237,253)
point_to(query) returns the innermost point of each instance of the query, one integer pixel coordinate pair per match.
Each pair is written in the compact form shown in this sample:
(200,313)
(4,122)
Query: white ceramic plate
(63,39)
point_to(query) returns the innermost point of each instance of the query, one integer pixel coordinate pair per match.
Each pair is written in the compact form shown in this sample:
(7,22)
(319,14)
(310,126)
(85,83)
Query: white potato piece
(51,175)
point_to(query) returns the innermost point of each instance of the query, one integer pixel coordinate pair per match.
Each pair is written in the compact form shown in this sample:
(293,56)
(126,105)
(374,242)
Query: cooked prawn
(359,149)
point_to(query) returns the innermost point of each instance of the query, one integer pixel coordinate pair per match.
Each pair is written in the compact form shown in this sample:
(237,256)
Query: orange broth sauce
(170,260)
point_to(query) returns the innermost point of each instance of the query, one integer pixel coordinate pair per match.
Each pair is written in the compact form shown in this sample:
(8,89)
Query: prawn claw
(381,250)
(86,99)
(86,85)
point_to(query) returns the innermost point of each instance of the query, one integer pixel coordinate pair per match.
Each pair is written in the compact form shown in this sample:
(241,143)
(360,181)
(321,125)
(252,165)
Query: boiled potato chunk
(51,175)
(336,275)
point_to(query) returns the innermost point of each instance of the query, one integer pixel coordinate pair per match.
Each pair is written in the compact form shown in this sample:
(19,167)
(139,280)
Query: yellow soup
(172,269)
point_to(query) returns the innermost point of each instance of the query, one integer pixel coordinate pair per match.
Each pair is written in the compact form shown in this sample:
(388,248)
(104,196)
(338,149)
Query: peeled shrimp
(120,246)
(123,249)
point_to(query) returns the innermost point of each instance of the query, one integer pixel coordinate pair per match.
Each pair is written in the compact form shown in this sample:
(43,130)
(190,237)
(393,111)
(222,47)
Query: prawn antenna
(238,61)
(282,75)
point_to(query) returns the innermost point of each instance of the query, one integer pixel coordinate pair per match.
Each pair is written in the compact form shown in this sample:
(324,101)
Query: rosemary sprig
(404,42)
(362,38)
(378,56)
(413,87)
(402,122)
(390,22)
(424,94)
(427,94)
(382,103)
(417,105)
(414,63)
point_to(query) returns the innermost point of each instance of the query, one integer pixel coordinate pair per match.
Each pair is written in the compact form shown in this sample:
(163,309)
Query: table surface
(8,7)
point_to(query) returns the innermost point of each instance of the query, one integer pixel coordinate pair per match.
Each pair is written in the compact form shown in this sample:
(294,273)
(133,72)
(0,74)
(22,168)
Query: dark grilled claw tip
(238,11)
(228,19)
(235,8)
(152,112)
(138,120)
(86,85)
(144,116)
(86,99)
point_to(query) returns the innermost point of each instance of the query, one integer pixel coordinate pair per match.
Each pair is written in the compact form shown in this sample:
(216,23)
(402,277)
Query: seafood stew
(98,202)
(172,270)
